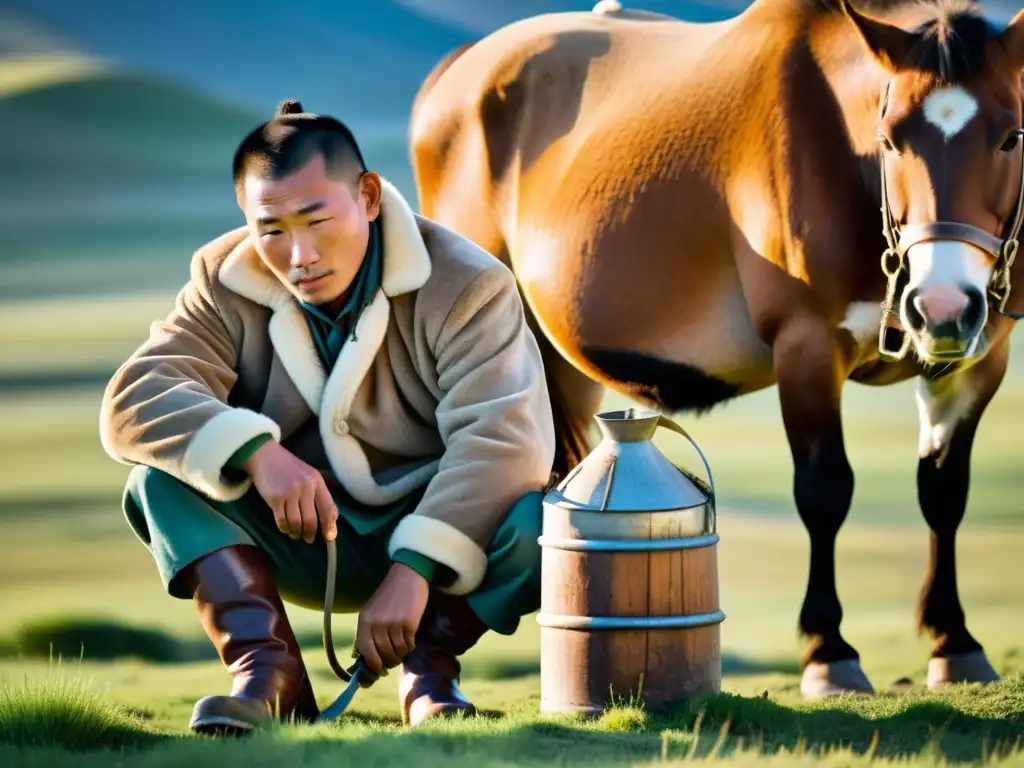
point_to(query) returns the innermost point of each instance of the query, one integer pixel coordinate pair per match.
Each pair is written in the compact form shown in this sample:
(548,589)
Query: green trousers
(178,526)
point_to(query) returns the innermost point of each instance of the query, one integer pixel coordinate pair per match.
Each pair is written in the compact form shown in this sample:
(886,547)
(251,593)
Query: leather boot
(243,615)
(428,682)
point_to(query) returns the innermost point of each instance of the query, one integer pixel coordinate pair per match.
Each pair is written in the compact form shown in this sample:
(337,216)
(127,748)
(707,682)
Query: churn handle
(665,421)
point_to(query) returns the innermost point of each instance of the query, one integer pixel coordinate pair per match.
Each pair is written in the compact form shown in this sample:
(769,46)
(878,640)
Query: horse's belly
(712,333)
(680,336)
(682,353)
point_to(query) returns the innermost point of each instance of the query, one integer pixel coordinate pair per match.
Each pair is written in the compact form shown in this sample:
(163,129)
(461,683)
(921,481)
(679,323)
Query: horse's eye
(1011,141)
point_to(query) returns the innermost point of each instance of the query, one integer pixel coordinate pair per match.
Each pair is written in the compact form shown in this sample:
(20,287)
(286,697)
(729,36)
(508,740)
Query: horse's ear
(888,43)
(1012,39)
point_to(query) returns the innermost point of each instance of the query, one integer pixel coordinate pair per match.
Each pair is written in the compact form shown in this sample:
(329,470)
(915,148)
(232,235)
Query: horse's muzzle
(946,311)
(944,308)
(945,322)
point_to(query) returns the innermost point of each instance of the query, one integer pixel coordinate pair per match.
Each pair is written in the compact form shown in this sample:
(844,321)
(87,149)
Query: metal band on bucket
(689,621)
(627,545)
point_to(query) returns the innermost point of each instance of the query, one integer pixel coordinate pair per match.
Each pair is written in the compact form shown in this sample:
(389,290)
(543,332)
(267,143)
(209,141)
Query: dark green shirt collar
(329,333)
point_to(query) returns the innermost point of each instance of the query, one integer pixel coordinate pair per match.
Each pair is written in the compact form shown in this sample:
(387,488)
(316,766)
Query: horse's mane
(951,37)
(882,7)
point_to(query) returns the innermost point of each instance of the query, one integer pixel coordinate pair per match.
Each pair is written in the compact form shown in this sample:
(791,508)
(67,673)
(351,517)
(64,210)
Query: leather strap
(332,573)
(915,234)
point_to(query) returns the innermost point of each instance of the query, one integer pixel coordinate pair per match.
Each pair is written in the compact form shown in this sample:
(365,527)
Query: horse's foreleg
(809,370)
(950,410)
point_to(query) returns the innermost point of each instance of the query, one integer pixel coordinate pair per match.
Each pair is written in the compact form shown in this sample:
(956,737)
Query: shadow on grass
(962,728)
(733,665)
(33,381)
(98,639)
(496,668)
(56,504)
(94,639)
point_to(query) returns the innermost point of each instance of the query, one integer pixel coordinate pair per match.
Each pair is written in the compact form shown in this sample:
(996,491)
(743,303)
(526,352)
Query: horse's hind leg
(810,380)
(950,410)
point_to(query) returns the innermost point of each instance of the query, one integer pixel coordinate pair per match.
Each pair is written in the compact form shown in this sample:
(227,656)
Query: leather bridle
(1002,249)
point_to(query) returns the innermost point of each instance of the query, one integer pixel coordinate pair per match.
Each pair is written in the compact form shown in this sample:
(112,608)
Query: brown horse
(799,196)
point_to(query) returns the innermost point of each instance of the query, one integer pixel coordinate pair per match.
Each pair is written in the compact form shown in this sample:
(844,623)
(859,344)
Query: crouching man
(340,368)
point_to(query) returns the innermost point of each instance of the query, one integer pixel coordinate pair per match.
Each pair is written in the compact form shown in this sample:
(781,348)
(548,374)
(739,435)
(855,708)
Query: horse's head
(950,135)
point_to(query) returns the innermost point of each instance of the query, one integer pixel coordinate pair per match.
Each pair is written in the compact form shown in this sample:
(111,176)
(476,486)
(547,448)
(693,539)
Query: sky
(319,51)
(316,50)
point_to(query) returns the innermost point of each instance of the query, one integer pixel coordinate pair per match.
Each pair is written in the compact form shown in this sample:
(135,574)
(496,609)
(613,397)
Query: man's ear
(888,43)
(371,190)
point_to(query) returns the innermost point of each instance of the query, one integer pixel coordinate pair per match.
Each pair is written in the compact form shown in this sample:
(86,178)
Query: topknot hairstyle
(293,137)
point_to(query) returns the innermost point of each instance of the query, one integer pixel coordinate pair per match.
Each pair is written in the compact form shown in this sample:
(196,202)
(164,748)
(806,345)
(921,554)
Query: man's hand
(295,491)
(386,631)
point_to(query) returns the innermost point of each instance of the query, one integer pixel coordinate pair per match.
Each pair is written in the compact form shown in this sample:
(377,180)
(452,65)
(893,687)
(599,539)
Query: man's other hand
(295,491)
(386,631)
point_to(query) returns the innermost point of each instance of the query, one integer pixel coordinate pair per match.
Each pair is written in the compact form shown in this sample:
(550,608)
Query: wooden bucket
(629,600)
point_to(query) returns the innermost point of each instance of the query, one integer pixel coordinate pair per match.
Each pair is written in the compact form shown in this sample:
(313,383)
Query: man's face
(309,229)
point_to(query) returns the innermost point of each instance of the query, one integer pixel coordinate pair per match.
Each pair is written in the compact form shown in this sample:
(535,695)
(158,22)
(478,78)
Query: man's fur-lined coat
(443,386)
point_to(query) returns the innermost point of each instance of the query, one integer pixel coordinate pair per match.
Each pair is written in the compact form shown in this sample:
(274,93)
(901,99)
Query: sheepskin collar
(406,268)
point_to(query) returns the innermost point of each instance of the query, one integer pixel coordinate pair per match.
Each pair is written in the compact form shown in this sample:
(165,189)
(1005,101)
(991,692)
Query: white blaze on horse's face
(944,306)
(949,109)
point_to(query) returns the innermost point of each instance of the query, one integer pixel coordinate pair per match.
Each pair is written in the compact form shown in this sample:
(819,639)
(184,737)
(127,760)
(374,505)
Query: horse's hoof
(970,667)
(823,680)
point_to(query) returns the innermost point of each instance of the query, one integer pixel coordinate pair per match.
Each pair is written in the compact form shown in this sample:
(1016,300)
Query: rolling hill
(116,177)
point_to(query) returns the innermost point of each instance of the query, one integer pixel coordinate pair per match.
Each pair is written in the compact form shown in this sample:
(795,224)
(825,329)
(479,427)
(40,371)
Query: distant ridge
(115,177)
(28,72)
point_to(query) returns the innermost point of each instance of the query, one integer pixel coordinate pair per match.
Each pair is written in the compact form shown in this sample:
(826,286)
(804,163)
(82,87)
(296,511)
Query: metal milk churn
(629,599)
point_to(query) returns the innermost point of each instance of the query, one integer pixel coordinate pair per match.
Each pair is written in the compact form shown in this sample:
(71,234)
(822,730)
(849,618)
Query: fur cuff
(444,544)
(216,442)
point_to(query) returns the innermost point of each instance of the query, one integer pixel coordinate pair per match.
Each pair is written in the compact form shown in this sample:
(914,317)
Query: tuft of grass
(623,719)
(64,712)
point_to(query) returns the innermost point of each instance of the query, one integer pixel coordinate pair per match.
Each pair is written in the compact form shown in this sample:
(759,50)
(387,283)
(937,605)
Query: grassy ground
(965,726)
(67,559)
